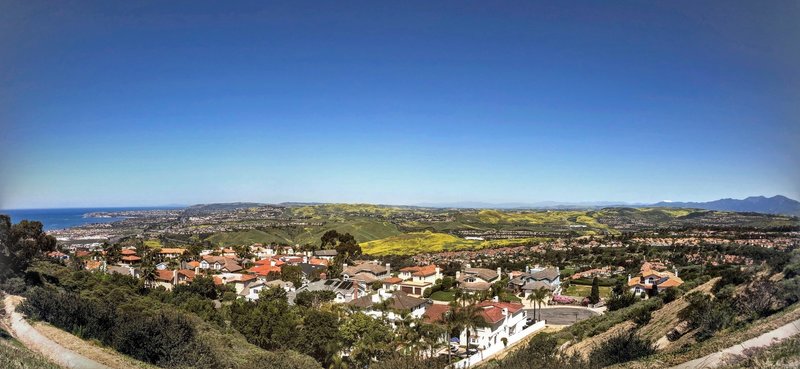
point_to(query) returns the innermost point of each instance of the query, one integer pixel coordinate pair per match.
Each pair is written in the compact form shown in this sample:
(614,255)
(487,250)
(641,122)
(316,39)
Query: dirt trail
(766,339)
(35,341)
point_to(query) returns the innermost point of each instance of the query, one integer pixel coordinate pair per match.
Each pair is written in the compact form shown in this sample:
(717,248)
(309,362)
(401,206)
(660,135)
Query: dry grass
(586,346)
(89,349)
(665,319)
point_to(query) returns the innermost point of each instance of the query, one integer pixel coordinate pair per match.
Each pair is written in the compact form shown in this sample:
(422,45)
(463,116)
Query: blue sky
(146,103)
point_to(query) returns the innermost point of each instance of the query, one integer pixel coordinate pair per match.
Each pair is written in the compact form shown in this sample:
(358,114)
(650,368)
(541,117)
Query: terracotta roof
(164,275)
(92,264)
(435,313)
(193,264)
(265,269)
(128,252)
(425,271)
(131,258)
(512,307)
(316,261)
(392,280)
(189,274)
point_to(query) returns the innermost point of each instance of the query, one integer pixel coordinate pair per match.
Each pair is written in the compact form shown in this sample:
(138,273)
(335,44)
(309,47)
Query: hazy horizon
(139,104)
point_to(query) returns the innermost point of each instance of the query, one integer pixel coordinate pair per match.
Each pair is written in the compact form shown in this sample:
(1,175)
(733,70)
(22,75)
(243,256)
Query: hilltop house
(651,281)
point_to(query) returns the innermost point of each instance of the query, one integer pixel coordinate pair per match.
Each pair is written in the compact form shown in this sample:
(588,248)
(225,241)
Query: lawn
(153,244)
(443,296)
(583,291)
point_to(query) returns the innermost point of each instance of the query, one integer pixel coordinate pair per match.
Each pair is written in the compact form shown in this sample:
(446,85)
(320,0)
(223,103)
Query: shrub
(619,349)
(624,300)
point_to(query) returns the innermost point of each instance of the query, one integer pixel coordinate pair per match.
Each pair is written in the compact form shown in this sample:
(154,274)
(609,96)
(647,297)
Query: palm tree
(469,318)
(539,295)
(532,299)
(148,274)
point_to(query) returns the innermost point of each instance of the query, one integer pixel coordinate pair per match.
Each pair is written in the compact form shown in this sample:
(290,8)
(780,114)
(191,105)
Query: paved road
(35,341)
(766,339)
(562,315)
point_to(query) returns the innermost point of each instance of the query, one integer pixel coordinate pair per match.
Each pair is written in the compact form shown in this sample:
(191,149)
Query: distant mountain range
(525,205)
(756,204)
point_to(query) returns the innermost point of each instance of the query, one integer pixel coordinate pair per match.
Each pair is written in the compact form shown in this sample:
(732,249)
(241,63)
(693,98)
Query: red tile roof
(265,269)
(435,313)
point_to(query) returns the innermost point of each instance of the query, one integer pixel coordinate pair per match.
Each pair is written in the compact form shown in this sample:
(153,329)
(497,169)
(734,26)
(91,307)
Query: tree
(269,322)
(319,335)
(313,299)
(242,251)
(594,296)
(20,243)
(469,318)
(368,339)
(539,296)
(621,348)
(292,273)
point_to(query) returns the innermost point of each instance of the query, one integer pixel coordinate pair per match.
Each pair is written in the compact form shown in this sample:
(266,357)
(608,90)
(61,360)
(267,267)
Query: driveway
(563,315)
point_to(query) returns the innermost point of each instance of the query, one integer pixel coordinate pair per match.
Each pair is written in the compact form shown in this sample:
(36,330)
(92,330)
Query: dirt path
(766,339)
(35,341)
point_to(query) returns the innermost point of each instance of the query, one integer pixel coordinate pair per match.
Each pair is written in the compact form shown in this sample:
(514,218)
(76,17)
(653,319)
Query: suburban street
(562,315)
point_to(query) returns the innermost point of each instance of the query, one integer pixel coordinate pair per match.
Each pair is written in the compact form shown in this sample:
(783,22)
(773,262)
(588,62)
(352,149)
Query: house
(252,290)
(170,278)
(58,255)
(396,304)
(366,272)
(503,320)
(325,254)
(171,253)
(124,270)
(652,281)
(392,284)
(428,273)
(477,279)
(220,263)
(130,259)
(345,291)
(535,278)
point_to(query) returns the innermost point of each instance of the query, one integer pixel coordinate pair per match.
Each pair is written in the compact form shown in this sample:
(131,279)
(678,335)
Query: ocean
(64,218)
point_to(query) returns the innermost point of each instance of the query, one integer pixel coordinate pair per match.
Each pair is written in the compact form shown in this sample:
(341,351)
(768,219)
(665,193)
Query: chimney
(174,276)
(495,299)
(438,271)
(272,263)
(458,274)
(499,273)
(305,259)
(505,311)
(355,291)
(196,270)
(388,268)
(676,271)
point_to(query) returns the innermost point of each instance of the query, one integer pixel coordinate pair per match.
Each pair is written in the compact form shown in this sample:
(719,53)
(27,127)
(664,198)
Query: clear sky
(146,103)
